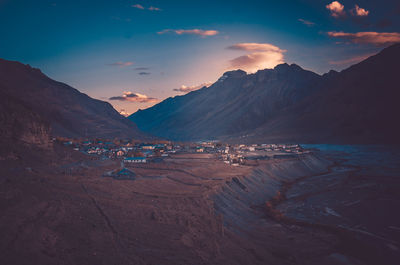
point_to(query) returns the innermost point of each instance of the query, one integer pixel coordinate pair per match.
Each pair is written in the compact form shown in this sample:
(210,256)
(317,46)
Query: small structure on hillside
(121,174)
(125,173)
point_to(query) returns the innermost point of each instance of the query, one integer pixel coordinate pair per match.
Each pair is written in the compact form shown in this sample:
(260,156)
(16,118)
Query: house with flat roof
(135,160)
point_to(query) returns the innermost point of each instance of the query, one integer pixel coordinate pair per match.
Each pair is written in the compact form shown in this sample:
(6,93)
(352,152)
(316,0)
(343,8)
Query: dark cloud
(144,73)
(142,68)
(118,98)
(306,22)
(134,97)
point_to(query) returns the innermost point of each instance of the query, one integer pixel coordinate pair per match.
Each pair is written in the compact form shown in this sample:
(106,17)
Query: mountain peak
(286,67)
(14,66)
(235,73)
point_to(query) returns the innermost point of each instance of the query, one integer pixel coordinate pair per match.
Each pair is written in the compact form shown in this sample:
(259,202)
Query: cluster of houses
(131,152)
(128,151)
(236,155)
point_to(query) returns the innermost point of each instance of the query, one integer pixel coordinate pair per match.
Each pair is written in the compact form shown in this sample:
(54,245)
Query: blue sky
(140,52)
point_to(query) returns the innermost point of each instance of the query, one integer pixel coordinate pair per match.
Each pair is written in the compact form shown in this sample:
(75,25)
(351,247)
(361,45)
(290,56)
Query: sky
(135,53)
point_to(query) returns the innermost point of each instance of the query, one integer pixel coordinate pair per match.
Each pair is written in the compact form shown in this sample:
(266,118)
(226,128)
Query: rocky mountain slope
(288,103)
(357,105)
(236,102)
(65,110)
(20,126)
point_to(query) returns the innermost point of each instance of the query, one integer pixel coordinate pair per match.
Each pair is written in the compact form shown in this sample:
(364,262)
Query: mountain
(20,124)
(64,111)
(234,103)
(357,105)
(288,103)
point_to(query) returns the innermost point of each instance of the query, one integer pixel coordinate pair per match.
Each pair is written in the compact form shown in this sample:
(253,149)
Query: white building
(135,160)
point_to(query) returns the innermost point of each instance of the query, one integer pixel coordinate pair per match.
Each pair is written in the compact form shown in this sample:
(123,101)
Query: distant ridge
(288,103)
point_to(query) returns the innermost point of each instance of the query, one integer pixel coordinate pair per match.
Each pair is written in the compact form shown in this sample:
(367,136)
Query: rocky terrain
(194,209)
(235,103)
(21,129)
(287,104)
(66,111)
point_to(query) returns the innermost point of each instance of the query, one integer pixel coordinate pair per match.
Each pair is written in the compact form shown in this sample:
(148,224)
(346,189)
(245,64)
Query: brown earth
(189,209)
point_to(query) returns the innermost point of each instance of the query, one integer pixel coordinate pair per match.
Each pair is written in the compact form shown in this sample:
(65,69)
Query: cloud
(134,97)
(257,61)
(124,113)
(358,11)
(352,60)
(200,32)
(376,38)
(306,22)
(138,6)
(141,68)
(121,64)
(255,47)
(187,89)
(144,73)
(151,8)
(336,8)
(263,55)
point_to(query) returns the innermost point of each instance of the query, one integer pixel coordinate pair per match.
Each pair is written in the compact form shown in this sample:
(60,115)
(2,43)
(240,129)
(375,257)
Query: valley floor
(327,207)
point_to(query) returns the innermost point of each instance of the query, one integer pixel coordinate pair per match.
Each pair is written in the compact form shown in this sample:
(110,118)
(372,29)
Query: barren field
(195,209)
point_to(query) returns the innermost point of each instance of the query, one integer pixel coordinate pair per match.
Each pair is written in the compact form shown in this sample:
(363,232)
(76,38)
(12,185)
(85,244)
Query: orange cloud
(121,64)
(187,89)
(200,32)
(376,38)
(256,47)
(264,55)
(336,8)
(134,97)
(361,12)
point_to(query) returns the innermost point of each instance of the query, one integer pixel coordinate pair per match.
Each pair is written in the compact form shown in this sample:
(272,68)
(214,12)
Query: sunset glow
(161,49)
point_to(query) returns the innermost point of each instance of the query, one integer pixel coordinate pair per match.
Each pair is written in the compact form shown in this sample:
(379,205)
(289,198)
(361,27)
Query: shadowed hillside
(287,103)
(67,111)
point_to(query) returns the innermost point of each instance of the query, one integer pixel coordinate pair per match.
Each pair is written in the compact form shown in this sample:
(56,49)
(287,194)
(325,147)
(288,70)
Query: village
(131,152)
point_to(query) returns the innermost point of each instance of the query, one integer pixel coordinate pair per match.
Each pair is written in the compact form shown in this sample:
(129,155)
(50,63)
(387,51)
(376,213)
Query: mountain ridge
(68,112)
(289,83)
(332,107)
